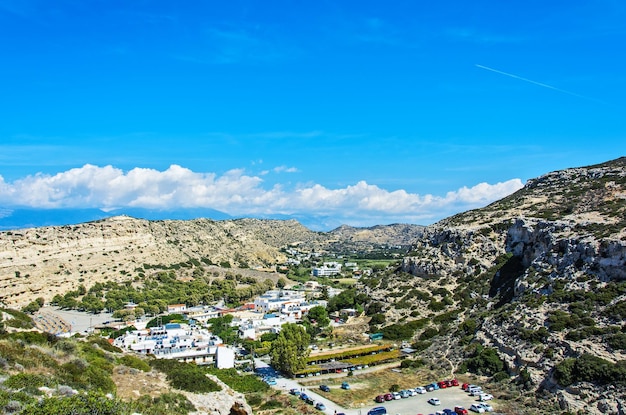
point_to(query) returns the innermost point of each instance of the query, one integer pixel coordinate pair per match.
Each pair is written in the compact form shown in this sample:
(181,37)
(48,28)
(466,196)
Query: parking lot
(418,404)
(449,397)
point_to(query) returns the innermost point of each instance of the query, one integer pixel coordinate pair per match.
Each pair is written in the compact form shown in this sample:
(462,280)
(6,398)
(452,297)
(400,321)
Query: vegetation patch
(186,376)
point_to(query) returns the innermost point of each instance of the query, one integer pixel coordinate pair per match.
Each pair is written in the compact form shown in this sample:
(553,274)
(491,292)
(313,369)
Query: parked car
(396,395)
(442,384)
(459,410)
(404,393)
(380,398)
(345,385)
(429,388)
(325,388)
(449,411)
(379,410)
(455,382)
(388,397)
(477,408)
(434,401)
(304,396)
(474,390)
(485,406)
(411,392)
(270,381)
(465,386)
(320,406)
(420,390)
(485,397)
(310,400)
(294,391)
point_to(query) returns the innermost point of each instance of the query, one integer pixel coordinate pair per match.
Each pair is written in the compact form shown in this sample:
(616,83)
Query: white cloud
(240,194)
(285,169)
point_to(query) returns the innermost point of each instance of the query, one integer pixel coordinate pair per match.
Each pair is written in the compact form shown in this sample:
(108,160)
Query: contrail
(536,83)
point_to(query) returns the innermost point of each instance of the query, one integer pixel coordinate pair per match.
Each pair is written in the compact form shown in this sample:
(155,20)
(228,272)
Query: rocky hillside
(42,262)
(539,276)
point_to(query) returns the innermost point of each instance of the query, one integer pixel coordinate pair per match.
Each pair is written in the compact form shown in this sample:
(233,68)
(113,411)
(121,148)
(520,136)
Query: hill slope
(538,276)
(42,262)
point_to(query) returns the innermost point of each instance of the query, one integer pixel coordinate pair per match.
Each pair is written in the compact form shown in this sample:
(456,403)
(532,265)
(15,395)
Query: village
(190,339)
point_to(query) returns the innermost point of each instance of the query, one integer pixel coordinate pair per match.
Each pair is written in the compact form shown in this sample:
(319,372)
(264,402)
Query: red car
(388,397)
(455,382)
(380,398)
(442,384)
(460,410)
(465,386)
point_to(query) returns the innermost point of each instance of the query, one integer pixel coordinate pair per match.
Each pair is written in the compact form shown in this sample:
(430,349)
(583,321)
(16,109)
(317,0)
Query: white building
(274,300)
(327,269)
(224,357)
(172,341)
(270,323)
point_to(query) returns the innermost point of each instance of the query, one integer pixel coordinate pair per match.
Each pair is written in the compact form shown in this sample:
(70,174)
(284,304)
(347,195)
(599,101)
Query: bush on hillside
(589,368)
(483,362)
(186,376)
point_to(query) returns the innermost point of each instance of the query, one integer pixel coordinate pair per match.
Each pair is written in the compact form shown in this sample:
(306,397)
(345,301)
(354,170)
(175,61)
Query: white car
(411,392)
(396,395)
(420,390)
(486,406)
(485,397)
(477,408)
(434,401)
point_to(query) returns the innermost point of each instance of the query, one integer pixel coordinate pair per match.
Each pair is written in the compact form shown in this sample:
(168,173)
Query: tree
(290,350)
(31,308)
(281,283)
(319,315)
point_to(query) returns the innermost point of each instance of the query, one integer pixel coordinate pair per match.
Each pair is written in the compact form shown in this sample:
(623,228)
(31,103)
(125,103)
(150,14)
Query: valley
(527,295)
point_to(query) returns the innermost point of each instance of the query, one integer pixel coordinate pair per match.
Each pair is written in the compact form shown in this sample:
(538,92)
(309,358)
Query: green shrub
(166,403)
(534,336)
(589,368)
(617,341)
(238,382)
(34,337)
(484,362)
(22,380)
(134,362)
(500,376)
(89,404)
(412,363)
(403,331)
(429,333)
(186,376)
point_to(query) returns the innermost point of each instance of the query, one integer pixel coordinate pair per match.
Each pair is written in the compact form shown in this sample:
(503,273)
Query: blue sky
(360,113)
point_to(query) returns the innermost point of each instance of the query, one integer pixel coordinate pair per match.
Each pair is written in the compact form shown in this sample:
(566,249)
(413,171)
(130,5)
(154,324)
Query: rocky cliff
(541,273)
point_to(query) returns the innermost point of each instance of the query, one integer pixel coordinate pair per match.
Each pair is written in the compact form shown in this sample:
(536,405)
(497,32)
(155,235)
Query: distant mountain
(21,218)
